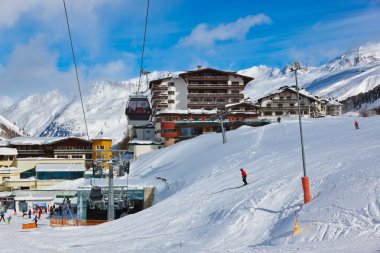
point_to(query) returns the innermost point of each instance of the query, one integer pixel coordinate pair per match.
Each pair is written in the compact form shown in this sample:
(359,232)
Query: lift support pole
(111,209)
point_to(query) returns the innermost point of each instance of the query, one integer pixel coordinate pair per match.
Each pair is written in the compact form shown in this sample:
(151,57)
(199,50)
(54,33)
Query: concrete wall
(148,197)
(143,149)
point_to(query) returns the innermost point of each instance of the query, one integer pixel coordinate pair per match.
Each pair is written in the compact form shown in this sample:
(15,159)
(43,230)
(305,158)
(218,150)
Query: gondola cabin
(138,109)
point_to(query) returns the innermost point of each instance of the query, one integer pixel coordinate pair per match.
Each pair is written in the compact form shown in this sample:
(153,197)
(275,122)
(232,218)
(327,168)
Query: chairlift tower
(220,116)
(111,209)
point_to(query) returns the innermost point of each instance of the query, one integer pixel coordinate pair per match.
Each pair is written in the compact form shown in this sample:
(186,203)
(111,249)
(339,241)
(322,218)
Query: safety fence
(74,222)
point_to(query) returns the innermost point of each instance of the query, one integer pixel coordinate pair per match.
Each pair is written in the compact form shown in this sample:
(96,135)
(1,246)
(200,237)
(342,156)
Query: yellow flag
(296,227)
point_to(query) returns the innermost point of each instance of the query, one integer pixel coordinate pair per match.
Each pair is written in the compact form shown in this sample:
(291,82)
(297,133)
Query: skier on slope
(244,176)
(356,124)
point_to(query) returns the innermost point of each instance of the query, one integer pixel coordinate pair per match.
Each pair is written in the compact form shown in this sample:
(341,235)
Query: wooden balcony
(161,87)
(215,95)
(204,78)
(160,96)
(212,86)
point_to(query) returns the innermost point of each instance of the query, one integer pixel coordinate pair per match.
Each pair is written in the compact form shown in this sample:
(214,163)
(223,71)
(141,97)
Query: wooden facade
(284,102)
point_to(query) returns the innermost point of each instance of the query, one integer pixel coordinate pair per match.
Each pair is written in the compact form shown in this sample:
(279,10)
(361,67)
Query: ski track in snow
(201,209)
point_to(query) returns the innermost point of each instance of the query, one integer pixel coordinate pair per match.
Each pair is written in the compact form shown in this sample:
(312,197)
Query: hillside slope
(204,210)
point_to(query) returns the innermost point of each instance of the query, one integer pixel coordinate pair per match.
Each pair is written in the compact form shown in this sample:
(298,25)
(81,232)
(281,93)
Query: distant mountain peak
(363,55)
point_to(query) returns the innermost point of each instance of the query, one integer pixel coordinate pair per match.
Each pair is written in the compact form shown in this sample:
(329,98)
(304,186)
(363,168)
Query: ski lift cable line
(76,69)
(143,46)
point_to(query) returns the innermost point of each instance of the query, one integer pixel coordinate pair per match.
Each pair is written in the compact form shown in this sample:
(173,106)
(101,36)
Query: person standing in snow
(356,124)
(35,220)
(9,219)
(244,176)
(30,213)
(2,215)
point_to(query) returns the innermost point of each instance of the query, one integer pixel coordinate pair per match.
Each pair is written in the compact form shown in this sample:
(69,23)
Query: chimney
(199,67)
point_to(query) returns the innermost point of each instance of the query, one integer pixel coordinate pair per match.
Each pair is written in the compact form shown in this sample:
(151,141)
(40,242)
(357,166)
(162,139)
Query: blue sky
(107,34)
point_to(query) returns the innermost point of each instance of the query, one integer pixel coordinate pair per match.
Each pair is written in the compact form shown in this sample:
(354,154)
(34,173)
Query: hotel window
(235,82)
(171,92)
(170,101)
(171,83)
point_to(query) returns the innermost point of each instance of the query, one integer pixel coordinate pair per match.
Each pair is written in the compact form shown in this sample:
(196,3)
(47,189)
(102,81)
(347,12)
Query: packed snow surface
(202,208)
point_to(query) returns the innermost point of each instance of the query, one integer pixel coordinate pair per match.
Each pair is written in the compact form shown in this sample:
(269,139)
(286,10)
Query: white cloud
(12,11)
(32,68)
(118,70)
(204,36)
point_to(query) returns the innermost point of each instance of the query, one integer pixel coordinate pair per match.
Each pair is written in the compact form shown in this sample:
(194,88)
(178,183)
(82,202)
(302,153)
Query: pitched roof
(302,92)
(40,140)
(246,79)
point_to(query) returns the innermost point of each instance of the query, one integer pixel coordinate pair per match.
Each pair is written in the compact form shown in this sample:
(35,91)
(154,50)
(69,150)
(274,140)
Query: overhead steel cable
(76,69)
(143,46)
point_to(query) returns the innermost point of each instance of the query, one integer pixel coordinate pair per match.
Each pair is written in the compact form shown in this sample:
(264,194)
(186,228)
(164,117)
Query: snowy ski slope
(204,210)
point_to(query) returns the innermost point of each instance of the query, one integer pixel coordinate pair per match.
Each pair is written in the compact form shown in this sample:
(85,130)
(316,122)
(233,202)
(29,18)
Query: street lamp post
(305,180)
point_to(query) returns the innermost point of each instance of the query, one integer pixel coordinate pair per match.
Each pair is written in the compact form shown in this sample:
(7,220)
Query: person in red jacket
(244,176)
(356,124)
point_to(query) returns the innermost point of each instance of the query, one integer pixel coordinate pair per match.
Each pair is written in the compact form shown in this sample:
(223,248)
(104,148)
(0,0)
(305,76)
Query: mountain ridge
(54,114)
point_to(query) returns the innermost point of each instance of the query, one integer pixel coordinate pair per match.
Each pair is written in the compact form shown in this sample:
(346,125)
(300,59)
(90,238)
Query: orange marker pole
(306,189)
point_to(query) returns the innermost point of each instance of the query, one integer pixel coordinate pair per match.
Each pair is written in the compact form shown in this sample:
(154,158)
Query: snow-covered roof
(34,198)
(60,167)
(8,151)
(101,137)
(334,102)
(3,143)
(39,140)
(302,92)
(143,142)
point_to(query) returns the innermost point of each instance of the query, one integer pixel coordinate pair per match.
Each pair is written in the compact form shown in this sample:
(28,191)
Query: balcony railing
(73,151)
(30,151)
(216,95)
(190,78)
(213,86)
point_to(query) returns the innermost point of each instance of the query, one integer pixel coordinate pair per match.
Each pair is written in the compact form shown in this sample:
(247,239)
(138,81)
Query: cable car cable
(76,69)
(143,46)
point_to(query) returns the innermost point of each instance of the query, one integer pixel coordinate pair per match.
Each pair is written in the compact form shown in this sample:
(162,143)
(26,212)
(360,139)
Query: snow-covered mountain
(356,71)
(53,114)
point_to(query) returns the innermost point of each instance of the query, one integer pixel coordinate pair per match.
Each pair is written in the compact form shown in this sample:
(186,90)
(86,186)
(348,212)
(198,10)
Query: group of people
(60,211)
